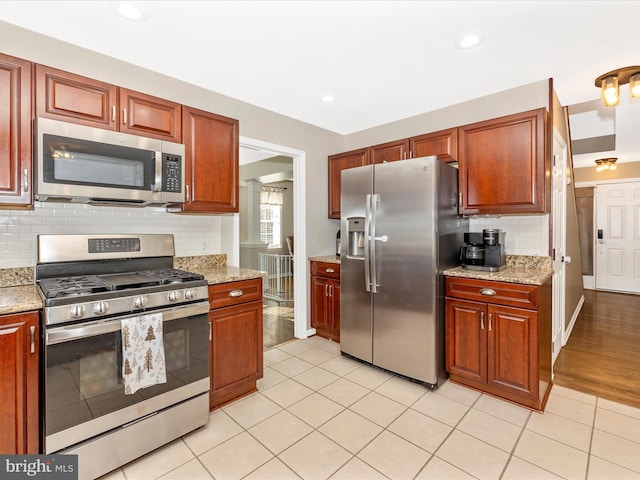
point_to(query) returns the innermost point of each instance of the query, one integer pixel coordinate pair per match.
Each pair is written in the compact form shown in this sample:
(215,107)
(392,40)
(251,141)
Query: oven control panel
(114,245)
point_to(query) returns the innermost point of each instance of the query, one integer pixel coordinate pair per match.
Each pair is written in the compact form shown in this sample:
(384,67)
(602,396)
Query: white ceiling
(382,60)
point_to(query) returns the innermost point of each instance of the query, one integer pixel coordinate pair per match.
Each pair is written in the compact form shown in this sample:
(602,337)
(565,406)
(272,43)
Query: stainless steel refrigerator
(400,229)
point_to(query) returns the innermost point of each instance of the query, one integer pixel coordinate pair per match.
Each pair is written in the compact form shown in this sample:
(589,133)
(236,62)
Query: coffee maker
(484,250)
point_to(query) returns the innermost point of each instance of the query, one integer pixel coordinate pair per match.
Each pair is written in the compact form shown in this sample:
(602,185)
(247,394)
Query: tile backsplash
(193,234)
(525,234)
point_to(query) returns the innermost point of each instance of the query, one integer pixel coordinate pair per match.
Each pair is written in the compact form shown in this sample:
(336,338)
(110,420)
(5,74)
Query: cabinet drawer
(233,293)
(502,293)
(326,269)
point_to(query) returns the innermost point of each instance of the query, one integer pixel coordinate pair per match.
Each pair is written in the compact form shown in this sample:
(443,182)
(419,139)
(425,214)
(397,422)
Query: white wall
(193,234)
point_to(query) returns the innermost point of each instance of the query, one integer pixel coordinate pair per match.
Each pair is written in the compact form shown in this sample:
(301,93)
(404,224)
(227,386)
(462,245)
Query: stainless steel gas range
(95,287)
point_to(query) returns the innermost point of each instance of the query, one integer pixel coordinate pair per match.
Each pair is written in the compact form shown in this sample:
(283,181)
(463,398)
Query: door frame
(300,265)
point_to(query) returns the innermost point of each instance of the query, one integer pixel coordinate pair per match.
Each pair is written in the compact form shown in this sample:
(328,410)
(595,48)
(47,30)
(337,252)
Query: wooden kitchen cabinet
(443,143)
(505,164)
(212,168)
(73,98)
(498,338)
(19,368)
(338,163)
(15,133)
(390,151)
(325,299)
(236,340)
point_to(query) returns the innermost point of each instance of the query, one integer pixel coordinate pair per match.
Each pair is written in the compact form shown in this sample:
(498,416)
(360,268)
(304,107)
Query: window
(270,216)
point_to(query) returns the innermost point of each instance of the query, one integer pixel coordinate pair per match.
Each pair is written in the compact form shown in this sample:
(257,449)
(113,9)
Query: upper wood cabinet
(15,132)
(337,163)
(390,151)
(212,166)
(19,364)
(504,165)
(73,98)
(444,144)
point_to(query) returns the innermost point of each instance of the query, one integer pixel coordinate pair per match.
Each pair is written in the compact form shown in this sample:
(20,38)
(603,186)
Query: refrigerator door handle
(367,235)
(372,246)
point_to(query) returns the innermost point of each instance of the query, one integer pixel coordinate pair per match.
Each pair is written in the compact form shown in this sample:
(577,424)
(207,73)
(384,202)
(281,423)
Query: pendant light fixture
(610,84)
(603,164)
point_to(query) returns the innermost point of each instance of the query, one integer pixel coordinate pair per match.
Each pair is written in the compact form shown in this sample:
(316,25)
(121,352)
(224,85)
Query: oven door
(84,393)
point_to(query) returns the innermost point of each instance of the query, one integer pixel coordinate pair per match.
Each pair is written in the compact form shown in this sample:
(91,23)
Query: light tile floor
(318,415)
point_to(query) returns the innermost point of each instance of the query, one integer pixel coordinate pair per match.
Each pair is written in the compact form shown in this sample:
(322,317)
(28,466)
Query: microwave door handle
(157,186)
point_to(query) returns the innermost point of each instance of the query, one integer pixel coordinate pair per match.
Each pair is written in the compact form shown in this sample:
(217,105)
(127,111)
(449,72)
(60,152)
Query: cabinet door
(335,297)
(19,358)
(390,152)
(444,144)
(15,132)
(236,347)
(466,341)
(148,116)
(337,163)
(512,350)
(72,98)
(319,303)
(504,165)
(211,167)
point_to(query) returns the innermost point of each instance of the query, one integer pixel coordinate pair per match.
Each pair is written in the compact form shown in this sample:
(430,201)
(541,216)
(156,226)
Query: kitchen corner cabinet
(19,359)
(212,172)
(15,133)
(498,338)
(338,163)
(504,165)
(325,299)
(72,98)
(236,340)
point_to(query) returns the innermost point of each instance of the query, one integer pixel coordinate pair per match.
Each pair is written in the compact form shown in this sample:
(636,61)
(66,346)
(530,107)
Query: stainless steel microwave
(90,165)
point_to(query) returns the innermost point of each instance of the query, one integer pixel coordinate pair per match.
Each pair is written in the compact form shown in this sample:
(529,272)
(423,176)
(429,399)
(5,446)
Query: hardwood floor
(602,356)
(277,323)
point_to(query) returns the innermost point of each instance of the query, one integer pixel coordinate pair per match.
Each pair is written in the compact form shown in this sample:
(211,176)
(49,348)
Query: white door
(558,214)
(618,237)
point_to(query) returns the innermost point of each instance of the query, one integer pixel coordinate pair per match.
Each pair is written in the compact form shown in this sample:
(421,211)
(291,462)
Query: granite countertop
(22,298)
(525,269)
(325,258)
(18,292)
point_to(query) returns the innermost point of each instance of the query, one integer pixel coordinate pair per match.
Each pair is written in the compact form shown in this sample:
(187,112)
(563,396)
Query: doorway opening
(272,215)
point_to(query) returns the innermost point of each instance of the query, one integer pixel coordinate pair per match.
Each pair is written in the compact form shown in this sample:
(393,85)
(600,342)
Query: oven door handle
(100,327)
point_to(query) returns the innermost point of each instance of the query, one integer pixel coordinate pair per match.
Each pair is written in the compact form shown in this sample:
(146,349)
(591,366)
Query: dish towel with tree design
(143,362)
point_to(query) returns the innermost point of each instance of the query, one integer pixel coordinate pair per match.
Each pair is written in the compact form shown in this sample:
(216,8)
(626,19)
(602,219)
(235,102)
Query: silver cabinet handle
(236,293)
(187,197)
(331,290)
(113,113)
(490,318)
(210,332)
(25,180)
(481,320)
(490,292)
(460,199)
(32,332)
(330,270)
(124,116)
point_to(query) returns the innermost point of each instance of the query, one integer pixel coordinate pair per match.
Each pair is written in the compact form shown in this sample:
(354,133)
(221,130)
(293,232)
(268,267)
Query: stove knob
(76,311)
(173,296)
(189,294)
(100,308)
(140,302)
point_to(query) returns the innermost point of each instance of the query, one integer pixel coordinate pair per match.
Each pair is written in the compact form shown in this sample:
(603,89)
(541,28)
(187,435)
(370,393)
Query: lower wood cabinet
(498,338)
(325,299)
(19,393)
(236,339)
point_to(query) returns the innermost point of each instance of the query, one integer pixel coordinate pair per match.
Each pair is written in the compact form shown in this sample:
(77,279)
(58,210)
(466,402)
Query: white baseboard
(572,323)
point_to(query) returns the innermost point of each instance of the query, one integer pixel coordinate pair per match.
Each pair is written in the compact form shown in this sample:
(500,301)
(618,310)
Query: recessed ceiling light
(469,41)
(328,98)
(129,11)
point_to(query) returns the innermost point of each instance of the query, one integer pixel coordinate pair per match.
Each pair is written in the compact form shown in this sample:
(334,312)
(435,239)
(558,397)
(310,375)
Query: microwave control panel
(171,173)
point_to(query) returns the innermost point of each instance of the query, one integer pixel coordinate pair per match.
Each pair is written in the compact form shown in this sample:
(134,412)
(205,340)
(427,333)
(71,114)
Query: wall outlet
(204,246)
